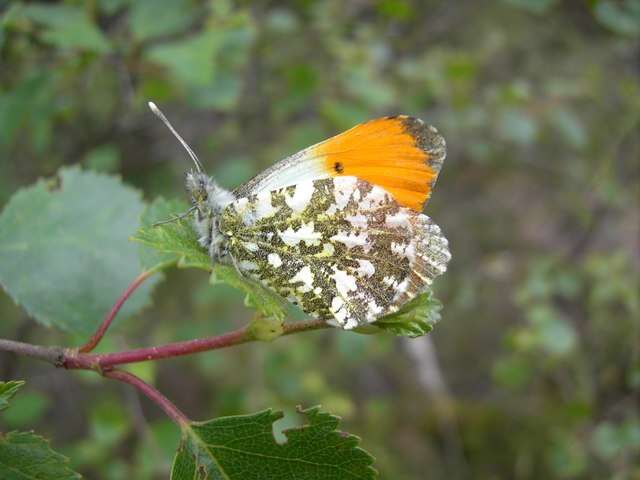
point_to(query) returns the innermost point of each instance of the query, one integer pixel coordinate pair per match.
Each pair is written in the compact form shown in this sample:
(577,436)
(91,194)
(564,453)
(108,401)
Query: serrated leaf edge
(12,387)
(62,458)
(309,413)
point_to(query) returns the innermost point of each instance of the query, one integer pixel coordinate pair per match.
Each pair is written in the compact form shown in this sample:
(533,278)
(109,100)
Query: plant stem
(154,395)
(72,358)
(111,314)
(168,350)
(177,349)
(304,326)
(80,358)
(54,355)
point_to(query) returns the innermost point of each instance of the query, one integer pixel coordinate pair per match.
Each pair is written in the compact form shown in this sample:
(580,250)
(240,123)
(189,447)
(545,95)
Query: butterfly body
(209,200)
(336,228)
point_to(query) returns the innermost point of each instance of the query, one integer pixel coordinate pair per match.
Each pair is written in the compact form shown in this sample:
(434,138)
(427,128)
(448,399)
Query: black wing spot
(338,167)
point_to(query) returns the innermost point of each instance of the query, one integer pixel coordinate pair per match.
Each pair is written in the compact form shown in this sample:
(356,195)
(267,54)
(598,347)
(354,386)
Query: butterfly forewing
(401,154)
(341,248)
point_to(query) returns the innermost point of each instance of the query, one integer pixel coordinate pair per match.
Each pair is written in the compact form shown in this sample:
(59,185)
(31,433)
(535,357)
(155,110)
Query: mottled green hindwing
(341,248)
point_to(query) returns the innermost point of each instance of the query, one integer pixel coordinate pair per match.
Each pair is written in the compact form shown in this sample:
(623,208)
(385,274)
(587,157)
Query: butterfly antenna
(154,108)
(174,218)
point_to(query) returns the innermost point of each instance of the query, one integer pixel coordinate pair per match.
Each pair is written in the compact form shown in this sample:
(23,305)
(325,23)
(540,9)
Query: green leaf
(105,158)
(169,17)
(7,391)
(28,104)
(190,60)
(176,243)
(267,303)
(6,19)
(25,455)
(244,448)
(67,27)
(415,319)
(169,244)
(64,254)
(208,66)
(621,17)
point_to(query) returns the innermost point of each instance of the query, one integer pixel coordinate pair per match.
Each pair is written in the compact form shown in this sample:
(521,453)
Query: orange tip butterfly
(336,228)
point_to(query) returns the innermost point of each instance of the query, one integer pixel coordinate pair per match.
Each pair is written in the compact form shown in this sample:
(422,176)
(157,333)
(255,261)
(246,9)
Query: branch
(154,395)
(111,314)
(74,359)
(178,349)
(54,355)
(71,358)
(80,358)
(304,326)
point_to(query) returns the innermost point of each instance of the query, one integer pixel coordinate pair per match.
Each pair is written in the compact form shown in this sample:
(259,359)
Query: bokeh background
(534,371)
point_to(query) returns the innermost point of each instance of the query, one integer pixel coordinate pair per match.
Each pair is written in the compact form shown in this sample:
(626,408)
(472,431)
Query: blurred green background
(534,371)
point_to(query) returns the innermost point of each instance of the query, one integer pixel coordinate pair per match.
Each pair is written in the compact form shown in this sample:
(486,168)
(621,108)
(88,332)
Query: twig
(54,355)
(71,358)
(177,349)
(79,358)
(7,366)
(111,314)
(154,395)
(305,326)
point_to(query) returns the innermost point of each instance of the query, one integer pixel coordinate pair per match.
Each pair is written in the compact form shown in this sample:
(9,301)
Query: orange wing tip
(401,154)
(428,139)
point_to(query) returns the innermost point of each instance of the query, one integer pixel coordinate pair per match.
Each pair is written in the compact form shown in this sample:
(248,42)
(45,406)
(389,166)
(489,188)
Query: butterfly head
(207,198)
(199,187)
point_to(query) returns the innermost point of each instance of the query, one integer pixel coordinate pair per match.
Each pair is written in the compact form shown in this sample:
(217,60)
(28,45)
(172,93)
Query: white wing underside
(341,248)
(297,168)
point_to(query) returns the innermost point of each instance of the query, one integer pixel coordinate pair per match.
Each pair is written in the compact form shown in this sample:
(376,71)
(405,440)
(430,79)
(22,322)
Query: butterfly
(336,228)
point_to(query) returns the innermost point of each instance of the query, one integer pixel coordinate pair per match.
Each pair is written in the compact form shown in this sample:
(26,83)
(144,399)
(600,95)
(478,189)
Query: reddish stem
(154,395)
(304,326)
(73,359)
(111,314)
(177,349)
